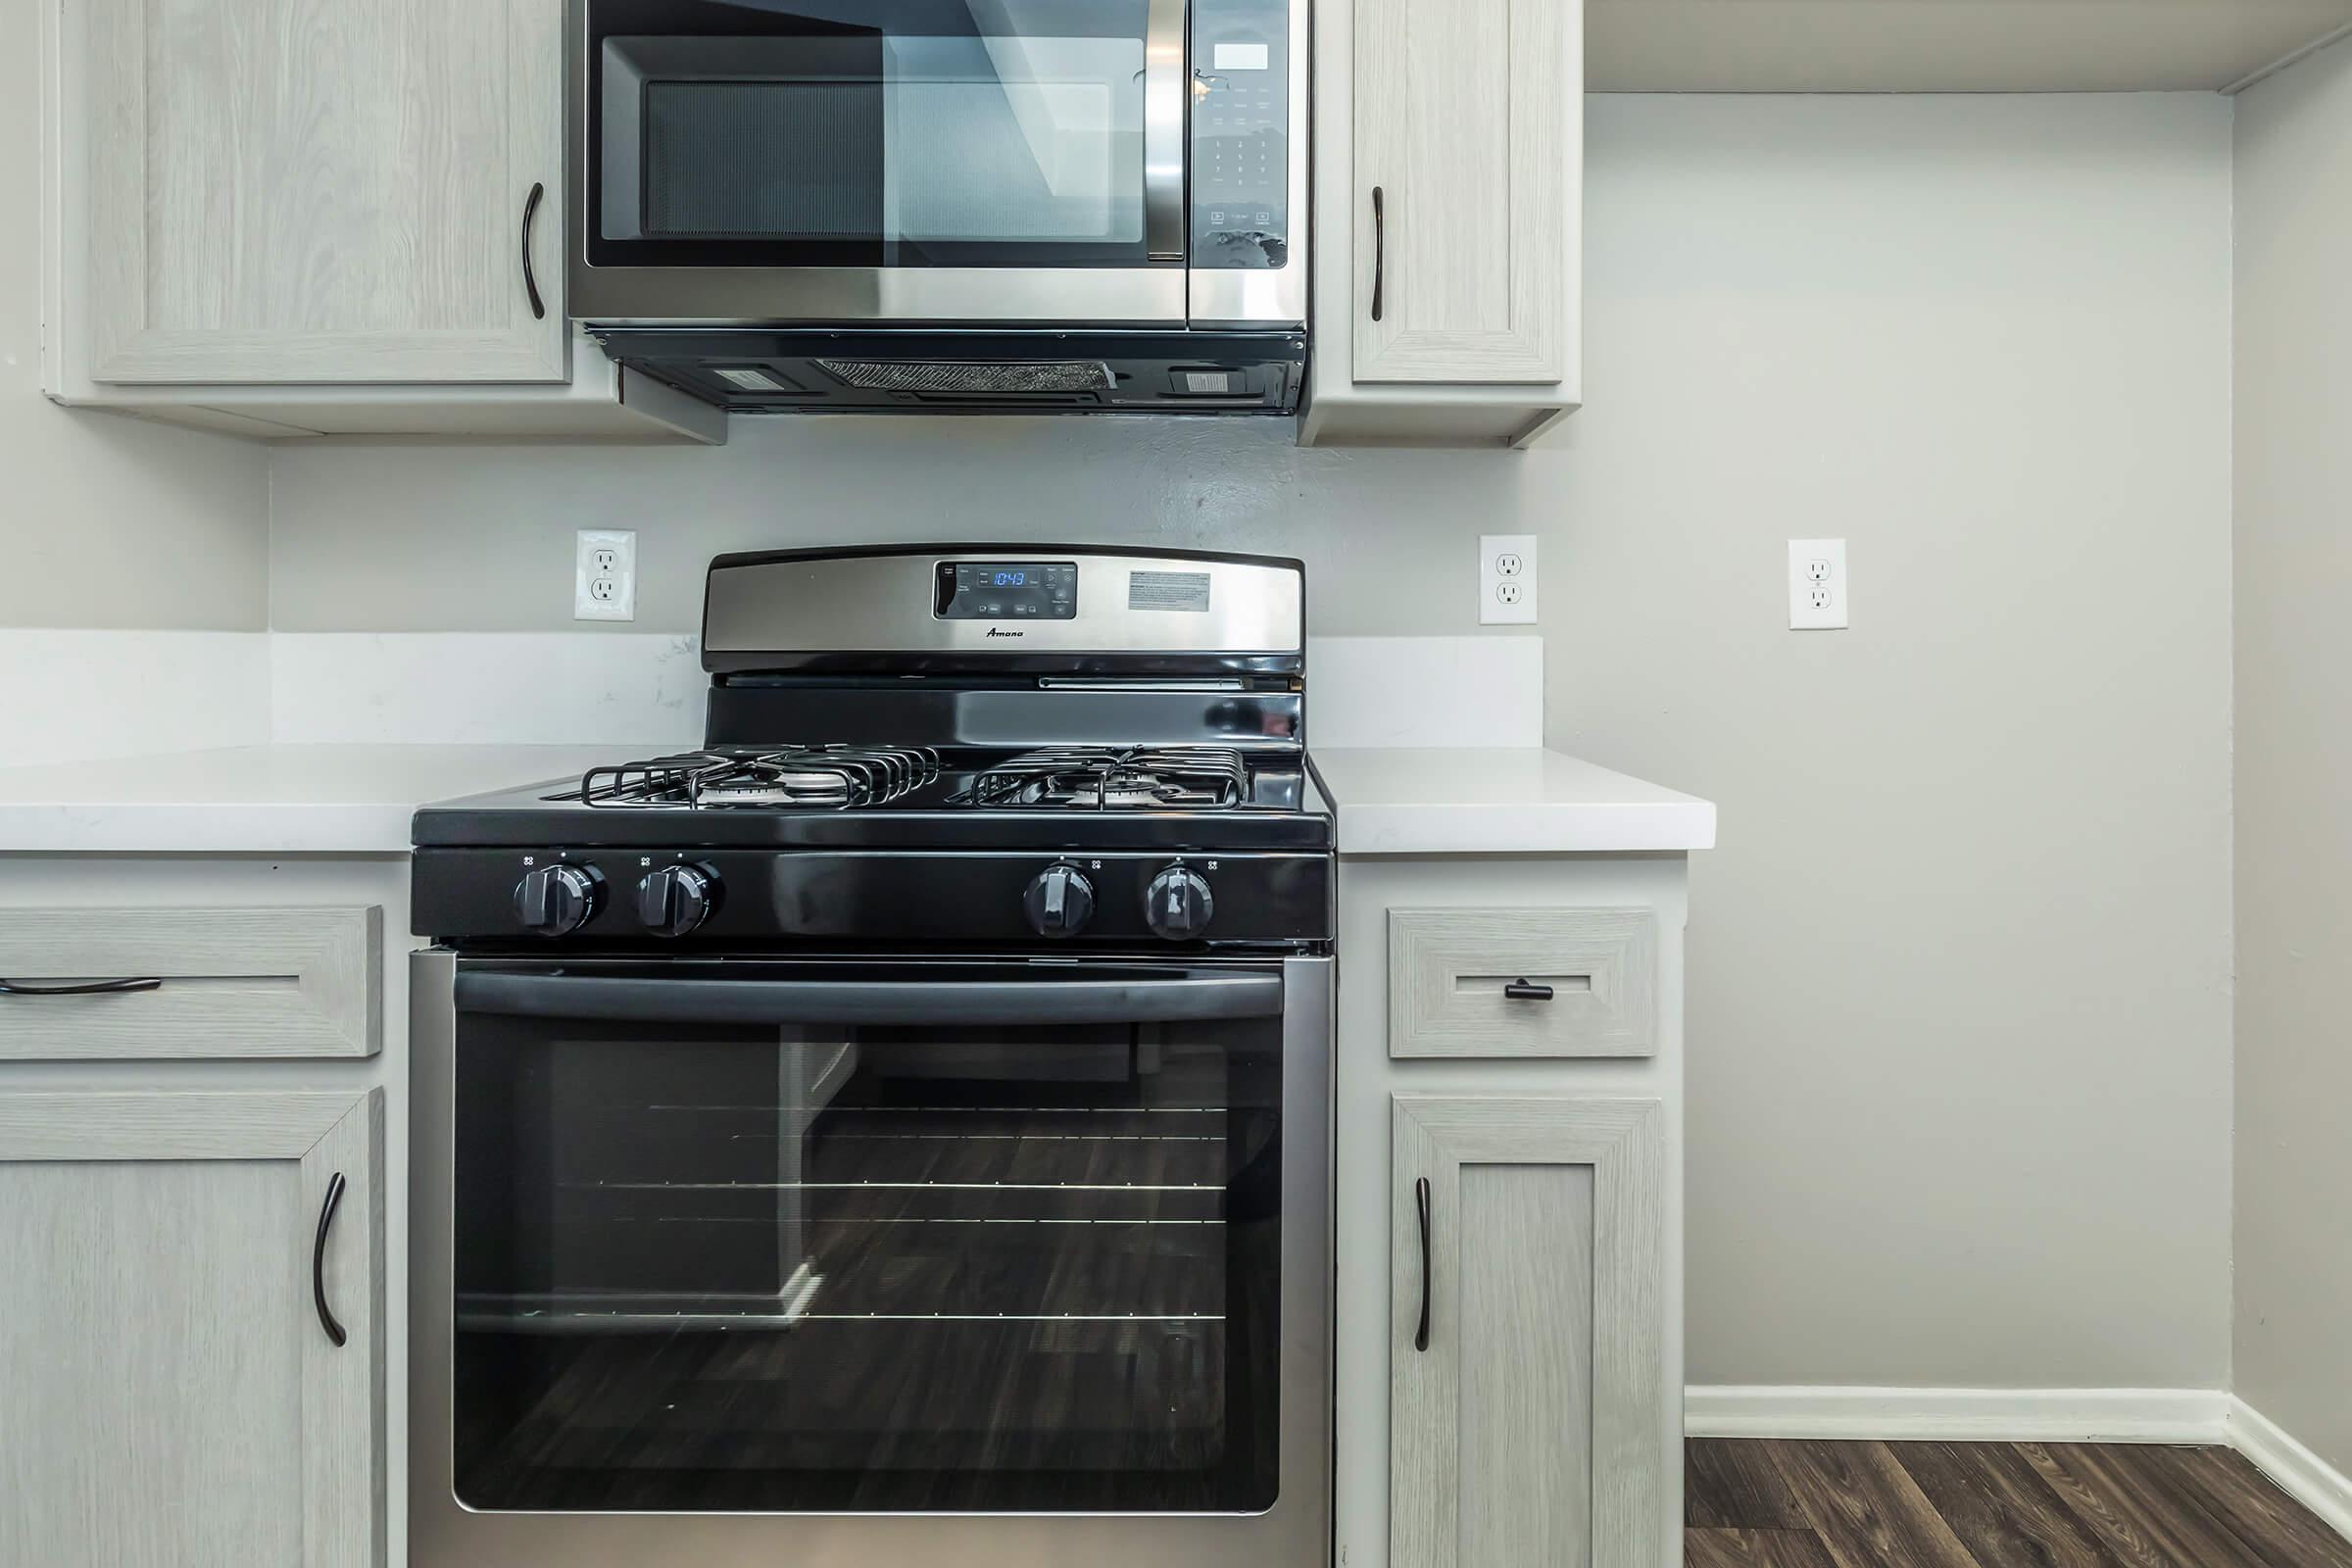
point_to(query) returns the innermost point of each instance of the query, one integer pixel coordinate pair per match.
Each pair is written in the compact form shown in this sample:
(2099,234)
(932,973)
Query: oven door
(1042,1243)
(848,161)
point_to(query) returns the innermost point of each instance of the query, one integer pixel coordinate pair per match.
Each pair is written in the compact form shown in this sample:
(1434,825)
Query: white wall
(1959,1016)
(1959,1009)
(2294,750)
(106,522)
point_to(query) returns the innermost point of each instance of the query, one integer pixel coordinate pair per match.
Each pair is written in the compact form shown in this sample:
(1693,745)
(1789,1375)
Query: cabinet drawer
(242,982)
(1449,970)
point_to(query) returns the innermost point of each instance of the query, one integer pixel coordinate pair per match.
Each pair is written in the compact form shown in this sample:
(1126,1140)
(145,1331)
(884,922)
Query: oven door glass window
(897,1266)
(880,132)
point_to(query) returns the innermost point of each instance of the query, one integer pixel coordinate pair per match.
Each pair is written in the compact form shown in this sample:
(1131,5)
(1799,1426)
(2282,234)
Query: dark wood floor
(1810,1504)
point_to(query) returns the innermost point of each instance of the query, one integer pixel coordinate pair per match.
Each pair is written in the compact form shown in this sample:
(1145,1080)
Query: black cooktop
(1045,797)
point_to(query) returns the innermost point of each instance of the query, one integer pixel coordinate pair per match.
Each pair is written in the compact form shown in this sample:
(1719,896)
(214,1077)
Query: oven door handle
(868,1002)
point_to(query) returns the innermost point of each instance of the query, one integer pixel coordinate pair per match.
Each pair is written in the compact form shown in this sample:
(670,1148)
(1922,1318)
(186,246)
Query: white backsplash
(86,694)
(489,688)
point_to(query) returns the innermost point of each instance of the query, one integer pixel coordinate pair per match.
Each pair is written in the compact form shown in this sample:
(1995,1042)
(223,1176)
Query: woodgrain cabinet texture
(1588,980)
(175,1396)
(1449,221)
(280,981)
(291,191)
(1461,228)
(1526,1332)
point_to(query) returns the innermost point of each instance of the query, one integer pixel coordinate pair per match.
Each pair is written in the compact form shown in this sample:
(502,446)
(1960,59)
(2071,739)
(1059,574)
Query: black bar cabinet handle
(84,988)
(530,280)
(326,1220)
(1524,990)
(963,1002)
(1421,1201)
(1380,248)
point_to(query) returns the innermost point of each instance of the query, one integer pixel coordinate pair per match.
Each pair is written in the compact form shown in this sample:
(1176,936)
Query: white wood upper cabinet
(296,191)
(1448,207)
(1526,1394)
(1462,229)
(175,1398)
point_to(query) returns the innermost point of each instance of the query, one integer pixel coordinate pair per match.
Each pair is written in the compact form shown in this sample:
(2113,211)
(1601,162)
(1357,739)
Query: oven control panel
(1006,590)
(1241,133)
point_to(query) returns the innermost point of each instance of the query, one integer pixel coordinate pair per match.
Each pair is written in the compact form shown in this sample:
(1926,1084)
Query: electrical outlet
(1506,579)
(604,579)
(1817,586)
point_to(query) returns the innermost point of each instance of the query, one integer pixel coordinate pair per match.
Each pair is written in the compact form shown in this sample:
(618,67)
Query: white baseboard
(2300,1473)
(1990,1415)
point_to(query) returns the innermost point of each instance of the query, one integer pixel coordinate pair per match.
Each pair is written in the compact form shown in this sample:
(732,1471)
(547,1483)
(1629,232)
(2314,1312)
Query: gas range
(896,1130)
(945,784)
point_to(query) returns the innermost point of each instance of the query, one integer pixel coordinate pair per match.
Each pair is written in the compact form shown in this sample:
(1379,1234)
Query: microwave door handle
(871,1002)
(1163,131)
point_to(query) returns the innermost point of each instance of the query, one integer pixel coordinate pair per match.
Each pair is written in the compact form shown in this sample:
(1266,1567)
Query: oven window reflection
(873,1270)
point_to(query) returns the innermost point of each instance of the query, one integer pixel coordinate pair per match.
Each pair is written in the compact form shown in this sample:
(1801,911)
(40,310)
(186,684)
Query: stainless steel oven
(928,182)
(873,1261)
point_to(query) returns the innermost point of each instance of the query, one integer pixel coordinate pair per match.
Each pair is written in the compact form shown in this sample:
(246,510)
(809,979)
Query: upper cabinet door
(291,191)
(1461,231)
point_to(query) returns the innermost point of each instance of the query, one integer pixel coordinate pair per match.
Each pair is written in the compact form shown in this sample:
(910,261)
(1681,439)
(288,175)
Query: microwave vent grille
(1080,375)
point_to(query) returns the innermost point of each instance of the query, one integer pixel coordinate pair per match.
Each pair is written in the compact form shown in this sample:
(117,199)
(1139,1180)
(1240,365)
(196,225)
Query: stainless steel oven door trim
(442,1534)
(1164,136)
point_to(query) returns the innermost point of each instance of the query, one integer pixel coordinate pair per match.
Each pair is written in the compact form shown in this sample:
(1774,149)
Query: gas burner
(1100,778)
(795,776)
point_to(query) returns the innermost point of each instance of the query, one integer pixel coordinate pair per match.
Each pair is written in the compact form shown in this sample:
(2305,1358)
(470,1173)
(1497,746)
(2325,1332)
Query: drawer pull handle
(1380,248)
(1525,990)
(88,988)
(326,1220)
(1421,1201)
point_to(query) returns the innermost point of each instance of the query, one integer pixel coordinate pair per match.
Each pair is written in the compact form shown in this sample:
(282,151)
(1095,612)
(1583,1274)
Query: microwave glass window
(1006,133)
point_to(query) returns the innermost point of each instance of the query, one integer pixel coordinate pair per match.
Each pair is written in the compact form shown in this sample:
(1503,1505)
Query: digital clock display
(1006,590)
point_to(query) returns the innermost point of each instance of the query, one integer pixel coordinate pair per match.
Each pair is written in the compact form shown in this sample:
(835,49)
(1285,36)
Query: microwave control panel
(1241,133)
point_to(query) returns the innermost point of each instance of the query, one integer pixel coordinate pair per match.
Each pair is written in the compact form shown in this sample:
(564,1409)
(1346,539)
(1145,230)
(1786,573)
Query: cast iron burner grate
(802,775)
(1098,778)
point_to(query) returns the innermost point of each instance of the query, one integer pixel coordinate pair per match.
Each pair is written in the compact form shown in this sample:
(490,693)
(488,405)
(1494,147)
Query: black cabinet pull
(530,280)
(1421,1201)
(88,988)
(1380,248)
(1525,990)
(326,1220)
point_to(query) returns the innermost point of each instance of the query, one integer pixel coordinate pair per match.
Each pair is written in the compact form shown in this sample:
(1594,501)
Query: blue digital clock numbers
(1008,590)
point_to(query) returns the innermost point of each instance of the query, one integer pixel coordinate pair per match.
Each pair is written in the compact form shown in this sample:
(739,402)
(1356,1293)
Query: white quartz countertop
(1501,800)
(264,799)
(357,799)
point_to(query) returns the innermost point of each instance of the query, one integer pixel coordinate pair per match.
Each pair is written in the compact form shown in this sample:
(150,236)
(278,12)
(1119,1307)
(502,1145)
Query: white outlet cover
(1506,579)
(1817,585)
(604,575)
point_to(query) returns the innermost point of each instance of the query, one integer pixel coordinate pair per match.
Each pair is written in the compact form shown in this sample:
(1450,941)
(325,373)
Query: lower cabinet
(192,1330)
(1526,1362)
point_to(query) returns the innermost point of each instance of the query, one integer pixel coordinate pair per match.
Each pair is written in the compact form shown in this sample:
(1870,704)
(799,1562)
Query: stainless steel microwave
(937,203)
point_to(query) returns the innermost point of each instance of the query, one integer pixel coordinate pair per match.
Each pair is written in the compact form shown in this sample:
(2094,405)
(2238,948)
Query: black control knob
(556,901)
(1061,900)
(1178,903)
(674,899)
